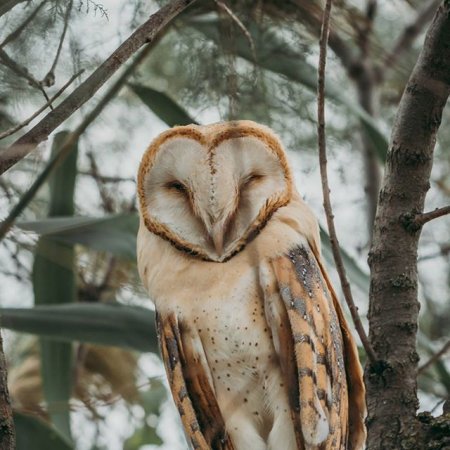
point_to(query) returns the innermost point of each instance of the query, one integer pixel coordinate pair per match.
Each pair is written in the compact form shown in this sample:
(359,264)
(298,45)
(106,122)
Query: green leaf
(111,233)
(34,433)
(54,282)
(113,324)
(354,271)
(162,105)
(274,53)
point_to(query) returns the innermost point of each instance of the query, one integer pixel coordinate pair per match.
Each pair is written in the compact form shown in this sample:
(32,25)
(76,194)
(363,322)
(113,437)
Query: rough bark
(394,307)
(145,34)
(7,434)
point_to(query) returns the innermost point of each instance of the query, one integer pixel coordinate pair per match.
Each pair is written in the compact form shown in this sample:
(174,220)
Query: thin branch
(69,143)
(16,33)
(435,357)
(422,219)
(49,79)
(410,33)
(325,186)
(239,23)
(42,108)
(145,34)
(21,71)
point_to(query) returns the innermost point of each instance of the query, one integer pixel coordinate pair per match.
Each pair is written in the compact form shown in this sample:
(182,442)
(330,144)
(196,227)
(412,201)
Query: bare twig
(325,187)
(16,33)
(239,23)
(49,79)
(410,33)
(145,34)
(422,219)
(19,126)
(21,71)
(435,357)
(69,142)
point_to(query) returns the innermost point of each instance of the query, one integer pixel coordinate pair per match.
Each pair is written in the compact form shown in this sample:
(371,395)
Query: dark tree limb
(394,307)
(7,432)
(145,34)
(325,186)
(422,219)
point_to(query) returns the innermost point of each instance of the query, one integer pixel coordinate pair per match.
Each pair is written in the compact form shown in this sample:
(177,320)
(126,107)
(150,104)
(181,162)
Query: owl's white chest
(227,313)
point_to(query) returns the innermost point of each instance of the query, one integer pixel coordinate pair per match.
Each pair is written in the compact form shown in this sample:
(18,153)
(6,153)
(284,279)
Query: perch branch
(325,186)
(145,34)
(394,305)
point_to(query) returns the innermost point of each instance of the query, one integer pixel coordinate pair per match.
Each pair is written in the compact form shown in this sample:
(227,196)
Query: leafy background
(82,351)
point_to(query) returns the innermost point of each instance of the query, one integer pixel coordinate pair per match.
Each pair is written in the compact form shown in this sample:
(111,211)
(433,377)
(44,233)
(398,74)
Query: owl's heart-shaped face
(209,190)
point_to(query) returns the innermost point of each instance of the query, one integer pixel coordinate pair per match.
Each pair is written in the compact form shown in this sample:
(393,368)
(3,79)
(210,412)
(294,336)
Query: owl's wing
(316,351)
(191,385)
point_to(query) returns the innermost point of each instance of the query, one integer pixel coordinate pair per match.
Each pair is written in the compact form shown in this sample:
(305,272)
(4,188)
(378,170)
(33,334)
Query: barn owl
(256,348)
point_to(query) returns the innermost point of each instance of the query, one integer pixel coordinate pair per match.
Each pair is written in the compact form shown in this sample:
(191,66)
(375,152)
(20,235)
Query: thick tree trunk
(7,435)
(394,307)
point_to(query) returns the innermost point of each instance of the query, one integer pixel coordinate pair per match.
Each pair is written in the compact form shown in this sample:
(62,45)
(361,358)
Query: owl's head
(209,190)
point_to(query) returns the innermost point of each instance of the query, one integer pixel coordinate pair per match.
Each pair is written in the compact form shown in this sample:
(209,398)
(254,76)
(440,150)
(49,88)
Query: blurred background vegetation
(82,352)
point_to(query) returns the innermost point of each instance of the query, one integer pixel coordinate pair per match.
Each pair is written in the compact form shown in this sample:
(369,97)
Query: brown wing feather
(190,385)
(319,338)
(356,389)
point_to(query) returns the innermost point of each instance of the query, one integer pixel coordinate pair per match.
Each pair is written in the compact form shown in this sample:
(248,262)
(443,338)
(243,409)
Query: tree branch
(7,433)
(435,357)
(394,307)
(49,79)
(422,219)
(325,186)
(145,34)
(19,126)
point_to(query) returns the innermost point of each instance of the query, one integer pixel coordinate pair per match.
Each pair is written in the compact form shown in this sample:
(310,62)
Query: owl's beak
(217,237)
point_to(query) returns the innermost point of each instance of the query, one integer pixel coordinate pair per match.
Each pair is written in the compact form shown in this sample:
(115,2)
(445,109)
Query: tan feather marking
(191,389)
(318,349)
(278,321)
(202,395)
(356,390)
